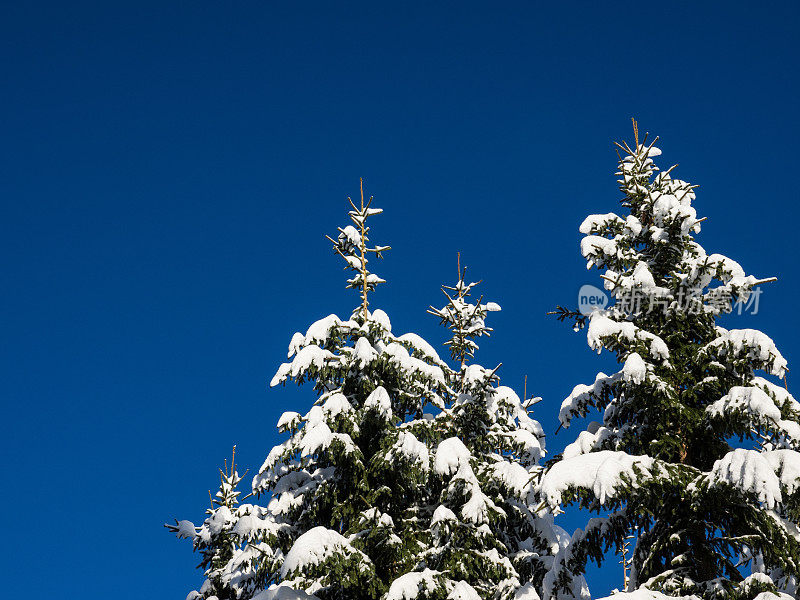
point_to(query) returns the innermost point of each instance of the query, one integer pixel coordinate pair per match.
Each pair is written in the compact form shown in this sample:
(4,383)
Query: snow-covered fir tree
(346,487)
(407,479)
(486,531)
(696,453)
(347,509)
(230,553)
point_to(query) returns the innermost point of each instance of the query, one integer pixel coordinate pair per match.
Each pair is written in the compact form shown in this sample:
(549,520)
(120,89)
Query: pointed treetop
(352,246)
(465,320)
(229,480)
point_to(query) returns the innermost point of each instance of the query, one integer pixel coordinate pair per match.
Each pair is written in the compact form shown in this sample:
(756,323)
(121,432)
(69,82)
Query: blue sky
(169,171)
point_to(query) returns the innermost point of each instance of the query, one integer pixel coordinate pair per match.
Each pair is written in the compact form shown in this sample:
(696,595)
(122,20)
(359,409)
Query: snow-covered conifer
(487,535)
(228,541)
(696,454)
(343,493)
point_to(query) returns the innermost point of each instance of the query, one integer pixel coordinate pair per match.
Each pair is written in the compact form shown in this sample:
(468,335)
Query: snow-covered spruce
(696,456)
(406,479)
(230,541)
(349,481)
(486,532)
(349,507)
(342,493)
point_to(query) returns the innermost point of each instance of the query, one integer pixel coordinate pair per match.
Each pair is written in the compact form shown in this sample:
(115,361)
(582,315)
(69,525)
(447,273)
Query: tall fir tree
(486,530)
(348,483)
(696,455)
(407,479)
(346,494)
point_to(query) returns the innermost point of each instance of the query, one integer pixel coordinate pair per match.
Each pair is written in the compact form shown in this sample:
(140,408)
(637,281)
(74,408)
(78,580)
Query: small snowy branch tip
(352,244)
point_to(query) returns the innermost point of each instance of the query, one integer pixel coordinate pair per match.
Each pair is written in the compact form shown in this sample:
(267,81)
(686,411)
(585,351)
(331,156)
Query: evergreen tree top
(352,244)
(465,320)
(404,479)
(702,506)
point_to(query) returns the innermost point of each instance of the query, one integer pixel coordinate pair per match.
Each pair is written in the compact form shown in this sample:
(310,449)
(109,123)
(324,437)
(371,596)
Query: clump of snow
(513,475)
(400,356)
(363,352)
(749,471)
(372,280)
(598,223)
(186,529)
(635,369)
(786,464)
(757,404)
(318,436)
(288,420)
(526,592)
(729,267)
(642,276)
(644,594)
(748,399)
(297,342)
(668,209)
(350,234)
(354,262)
(410,585)
(450,455)
(781,394)
(442,514)
(307,357)
(750,343)
(463,591)
(379,401)
(773,596)
(595,247)
(602,472)
(528,443)
(476,374)
(419,344)
(315,436)
(479,506)
(246,526)
(283,592)
(319,331)
(373,515)
(219,520)
(381,318)
(314,547)
(336,404)
(409,447)
(589,441)
(601,326)
(658,348)
(582,394)
(633,225)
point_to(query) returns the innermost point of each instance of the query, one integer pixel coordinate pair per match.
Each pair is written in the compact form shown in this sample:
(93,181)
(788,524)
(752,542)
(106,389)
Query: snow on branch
(604,473)
(748,345)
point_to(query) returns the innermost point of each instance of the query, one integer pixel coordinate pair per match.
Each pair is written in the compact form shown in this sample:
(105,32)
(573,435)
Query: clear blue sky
(169,171)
